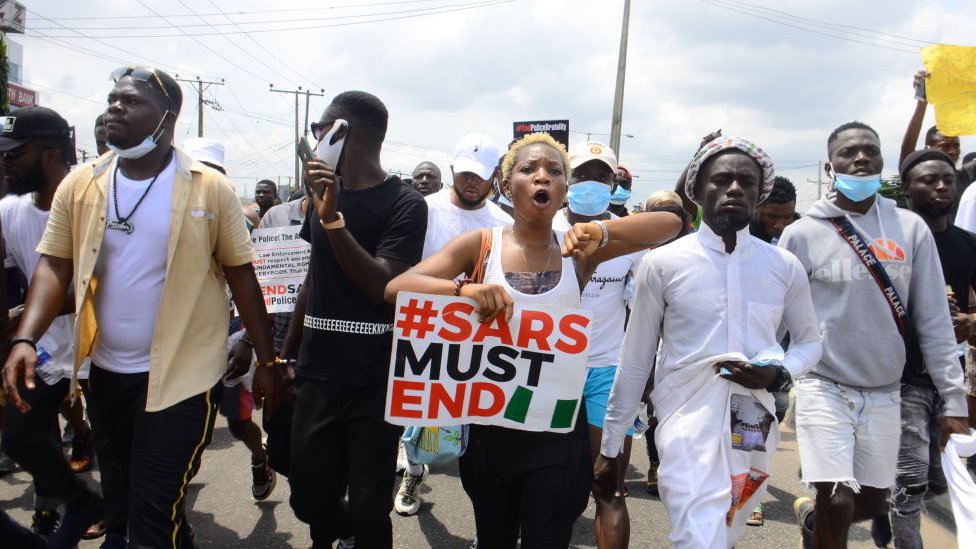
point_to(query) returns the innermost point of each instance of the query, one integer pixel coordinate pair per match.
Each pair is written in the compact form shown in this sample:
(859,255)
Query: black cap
(31,123)
(920,156)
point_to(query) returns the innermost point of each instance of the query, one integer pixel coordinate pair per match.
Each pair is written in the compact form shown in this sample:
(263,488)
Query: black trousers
(521,482)
(31,439)
(146,458)
(340,441)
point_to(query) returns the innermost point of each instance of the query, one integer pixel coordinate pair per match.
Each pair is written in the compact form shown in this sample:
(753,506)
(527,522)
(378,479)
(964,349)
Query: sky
(782,73)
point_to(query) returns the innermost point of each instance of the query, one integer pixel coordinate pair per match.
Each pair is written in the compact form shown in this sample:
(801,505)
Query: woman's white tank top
(566,294)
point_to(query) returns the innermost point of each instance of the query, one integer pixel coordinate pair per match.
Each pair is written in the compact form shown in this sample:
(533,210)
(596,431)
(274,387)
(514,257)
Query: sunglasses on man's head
(142,74)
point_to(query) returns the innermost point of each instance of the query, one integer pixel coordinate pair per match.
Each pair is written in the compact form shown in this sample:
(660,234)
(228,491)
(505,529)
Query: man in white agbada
(713,300)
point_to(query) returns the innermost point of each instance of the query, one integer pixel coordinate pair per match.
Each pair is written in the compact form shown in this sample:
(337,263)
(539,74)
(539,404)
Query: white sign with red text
(447,368)
(280,262)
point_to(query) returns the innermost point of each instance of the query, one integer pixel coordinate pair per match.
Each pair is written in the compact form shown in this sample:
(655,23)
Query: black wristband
(783,381)
(26,340)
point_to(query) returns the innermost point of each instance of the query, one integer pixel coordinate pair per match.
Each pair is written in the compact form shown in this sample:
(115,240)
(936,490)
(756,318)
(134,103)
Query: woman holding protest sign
(529,482)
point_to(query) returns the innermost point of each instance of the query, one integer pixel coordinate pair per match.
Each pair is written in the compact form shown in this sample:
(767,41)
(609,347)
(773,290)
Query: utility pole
(200,87)
(819,178)
(618,94)
(294,151)
(84,155)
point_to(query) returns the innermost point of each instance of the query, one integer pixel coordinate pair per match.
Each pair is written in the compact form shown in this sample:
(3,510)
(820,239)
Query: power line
(259,44)
(281,10)
(432,11)
(780,21)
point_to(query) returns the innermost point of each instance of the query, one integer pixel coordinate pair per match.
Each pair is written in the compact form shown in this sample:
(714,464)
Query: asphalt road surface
(224,514)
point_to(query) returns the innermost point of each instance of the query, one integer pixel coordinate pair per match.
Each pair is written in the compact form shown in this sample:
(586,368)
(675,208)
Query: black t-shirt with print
(957,253)
(388,220)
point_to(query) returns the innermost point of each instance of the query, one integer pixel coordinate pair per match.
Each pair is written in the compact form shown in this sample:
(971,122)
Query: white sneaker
(401,465)
(406,502)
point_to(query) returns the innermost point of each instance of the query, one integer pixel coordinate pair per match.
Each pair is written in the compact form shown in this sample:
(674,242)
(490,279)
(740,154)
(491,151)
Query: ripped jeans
(919,467)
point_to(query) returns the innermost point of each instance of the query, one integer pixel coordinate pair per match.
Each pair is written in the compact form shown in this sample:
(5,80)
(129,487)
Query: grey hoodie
(862,347)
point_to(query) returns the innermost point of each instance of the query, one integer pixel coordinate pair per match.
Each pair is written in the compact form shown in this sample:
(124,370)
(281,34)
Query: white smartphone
(329,148)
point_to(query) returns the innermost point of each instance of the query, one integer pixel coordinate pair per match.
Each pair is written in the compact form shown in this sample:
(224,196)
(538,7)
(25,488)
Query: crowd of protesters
(133,301)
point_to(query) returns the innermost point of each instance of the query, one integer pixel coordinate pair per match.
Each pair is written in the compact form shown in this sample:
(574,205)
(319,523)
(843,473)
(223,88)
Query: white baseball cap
(476,153)
(592,150)
(203,149)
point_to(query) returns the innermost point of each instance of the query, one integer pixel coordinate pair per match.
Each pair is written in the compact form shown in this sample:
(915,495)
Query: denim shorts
(596,393)
(847,435)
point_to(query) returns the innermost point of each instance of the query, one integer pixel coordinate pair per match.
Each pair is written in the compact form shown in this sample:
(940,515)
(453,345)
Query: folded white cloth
(962,489)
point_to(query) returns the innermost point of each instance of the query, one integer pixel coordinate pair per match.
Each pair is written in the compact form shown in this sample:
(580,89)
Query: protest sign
(447,368)
(951,87)
(280,262)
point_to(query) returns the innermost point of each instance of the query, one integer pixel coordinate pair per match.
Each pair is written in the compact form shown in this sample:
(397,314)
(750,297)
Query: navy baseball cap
(29,123)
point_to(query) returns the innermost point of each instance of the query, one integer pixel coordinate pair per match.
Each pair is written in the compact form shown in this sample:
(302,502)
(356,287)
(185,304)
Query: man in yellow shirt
(149,237)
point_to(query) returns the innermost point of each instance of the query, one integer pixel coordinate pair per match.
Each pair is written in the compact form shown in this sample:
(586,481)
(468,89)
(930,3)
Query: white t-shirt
(605,297)
(446,221)
(131,270)
(23,226)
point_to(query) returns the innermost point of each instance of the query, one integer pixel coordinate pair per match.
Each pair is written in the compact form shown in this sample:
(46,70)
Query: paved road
(224,514)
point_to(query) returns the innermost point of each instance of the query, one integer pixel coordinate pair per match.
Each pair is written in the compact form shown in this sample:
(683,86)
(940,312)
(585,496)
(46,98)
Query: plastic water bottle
(48,372)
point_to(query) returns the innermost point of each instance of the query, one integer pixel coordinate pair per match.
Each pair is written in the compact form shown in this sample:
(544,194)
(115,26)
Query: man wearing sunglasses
(149,238)
(365,228)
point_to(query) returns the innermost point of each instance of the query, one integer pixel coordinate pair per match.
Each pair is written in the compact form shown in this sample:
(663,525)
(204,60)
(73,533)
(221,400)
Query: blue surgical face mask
(588,197)
(857,187)
(620,196)
(142,149)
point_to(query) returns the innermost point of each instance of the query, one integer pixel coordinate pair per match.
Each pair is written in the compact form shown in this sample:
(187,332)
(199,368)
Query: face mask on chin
(145,147)
(588,198)
(857,188)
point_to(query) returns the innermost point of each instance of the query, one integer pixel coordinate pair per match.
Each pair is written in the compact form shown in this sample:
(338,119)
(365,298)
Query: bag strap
(478,274)
(898,310)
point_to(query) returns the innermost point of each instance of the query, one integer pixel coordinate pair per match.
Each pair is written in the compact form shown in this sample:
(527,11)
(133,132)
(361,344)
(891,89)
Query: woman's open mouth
(541,197)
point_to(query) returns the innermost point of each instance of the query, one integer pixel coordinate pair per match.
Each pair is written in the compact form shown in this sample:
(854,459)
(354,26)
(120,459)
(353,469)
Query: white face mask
(329,149)
(145,147)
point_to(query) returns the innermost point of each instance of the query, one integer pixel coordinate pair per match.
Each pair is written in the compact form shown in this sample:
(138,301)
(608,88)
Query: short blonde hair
(531,139)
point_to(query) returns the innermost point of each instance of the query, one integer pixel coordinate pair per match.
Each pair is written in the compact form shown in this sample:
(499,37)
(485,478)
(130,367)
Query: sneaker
(77,519)
(7,465)
(81,454)
(881,530)
(264,480)
(45,521)
(401,464)
(347,543)
(407,503)
(803,510)
(651,482)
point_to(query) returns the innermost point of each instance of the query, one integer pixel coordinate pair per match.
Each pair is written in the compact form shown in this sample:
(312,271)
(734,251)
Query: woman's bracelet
(458,284)
(606,233)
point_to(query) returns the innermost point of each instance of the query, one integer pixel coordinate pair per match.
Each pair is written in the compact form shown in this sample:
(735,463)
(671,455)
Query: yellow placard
(951,87)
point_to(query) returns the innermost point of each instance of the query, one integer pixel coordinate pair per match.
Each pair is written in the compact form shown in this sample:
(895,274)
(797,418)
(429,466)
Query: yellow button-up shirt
(207,231)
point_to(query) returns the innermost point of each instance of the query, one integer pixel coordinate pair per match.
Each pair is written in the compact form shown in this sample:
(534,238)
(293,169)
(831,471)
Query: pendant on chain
(119,225)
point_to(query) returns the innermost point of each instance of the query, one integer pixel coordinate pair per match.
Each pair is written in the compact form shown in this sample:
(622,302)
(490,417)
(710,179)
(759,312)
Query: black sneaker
(77,518)
(264,480)
(45,521)
(881,531)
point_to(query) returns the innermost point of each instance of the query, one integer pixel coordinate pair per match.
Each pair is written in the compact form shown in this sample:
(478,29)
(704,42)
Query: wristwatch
(782,382)
(339,223)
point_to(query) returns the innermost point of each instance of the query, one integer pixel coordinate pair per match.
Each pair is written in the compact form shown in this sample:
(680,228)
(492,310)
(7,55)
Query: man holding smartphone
(365,228)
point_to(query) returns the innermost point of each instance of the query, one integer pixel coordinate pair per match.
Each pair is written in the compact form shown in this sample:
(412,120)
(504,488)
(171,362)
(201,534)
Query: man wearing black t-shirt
(929,180)
(365,228)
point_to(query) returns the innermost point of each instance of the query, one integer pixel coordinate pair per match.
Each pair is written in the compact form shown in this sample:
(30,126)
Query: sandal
(756,517)
(81,453)
(95,531)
